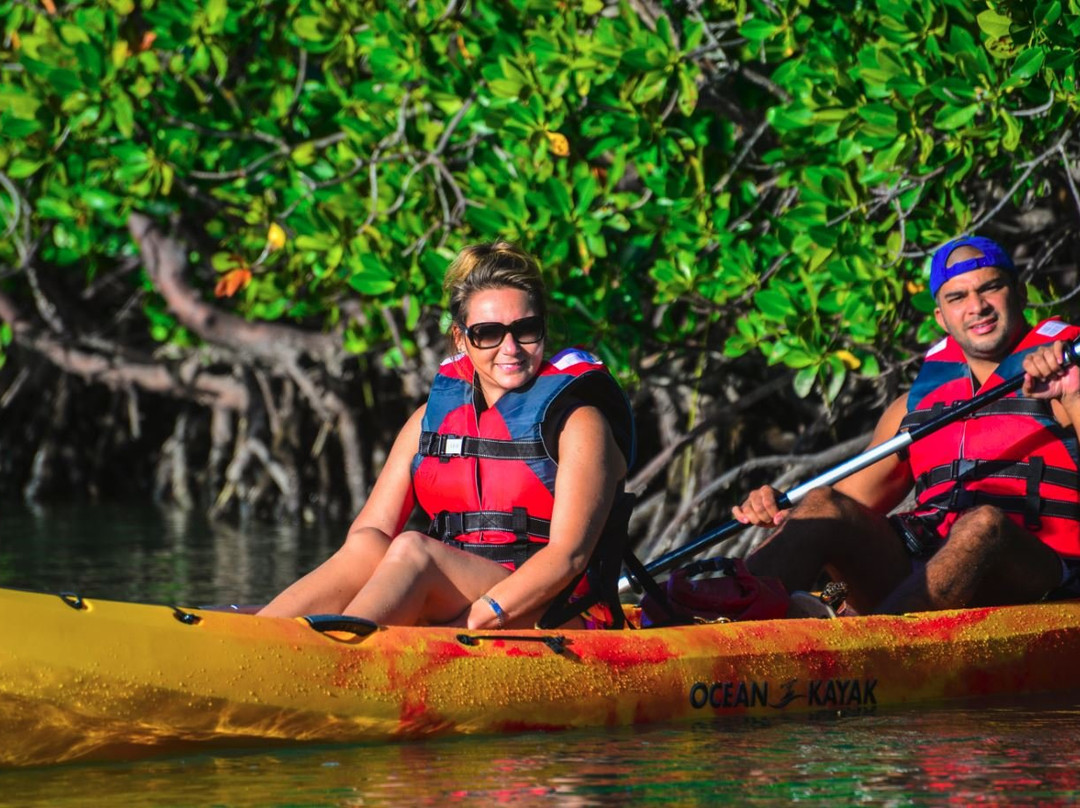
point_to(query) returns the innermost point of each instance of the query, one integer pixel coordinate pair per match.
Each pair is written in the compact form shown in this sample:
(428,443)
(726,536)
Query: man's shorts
(1070,579)
(922,541)
(918,534)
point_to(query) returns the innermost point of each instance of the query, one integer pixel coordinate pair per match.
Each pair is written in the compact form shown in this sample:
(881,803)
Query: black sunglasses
(526,331)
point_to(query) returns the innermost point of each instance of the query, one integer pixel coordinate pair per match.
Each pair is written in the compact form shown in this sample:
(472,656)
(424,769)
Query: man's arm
(880,487)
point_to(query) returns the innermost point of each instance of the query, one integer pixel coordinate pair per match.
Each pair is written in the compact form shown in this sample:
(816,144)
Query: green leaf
(688,92)
(309,28)
(304,154)
(993,23)
(1011,138)
(21,168)
(803,383)
(644,59)
(758,30)
(370,276)
(123,113)
(773,304)
(950,117)
(18,104)
(1028,63)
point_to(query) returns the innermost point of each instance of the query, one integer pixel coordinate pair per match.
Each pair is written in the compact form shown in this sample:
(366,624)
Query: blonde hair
(497,265)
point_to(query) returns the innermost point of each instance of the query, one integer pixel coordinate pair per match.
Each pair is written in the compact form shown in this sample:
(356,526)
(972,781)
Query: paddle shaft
(849,467)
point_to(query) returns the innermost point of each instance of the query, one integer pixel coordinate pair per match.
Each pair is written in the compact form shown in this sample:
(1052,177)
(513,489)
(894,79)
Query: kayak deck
(87,679)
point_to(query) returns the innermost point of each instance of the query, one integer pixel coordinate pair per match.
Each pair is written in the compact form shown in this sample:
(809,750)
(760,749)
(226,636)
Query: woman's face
(510,364)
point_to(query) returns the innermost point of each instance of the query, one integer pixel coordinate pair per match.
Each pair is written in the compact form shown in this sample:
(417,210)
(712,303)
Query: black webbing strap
(435,444)
(964,470)
(447,525)
(646,581)
(515,553)
(720,564)
(602,573)
(961,499)
(1033,407)
(1032,500)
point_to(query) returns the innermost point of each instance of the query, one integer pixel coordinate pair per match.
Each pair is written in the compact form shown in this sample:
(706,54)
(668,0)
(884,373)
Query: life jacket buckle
(452,446)
(961,499)
(963,468)
(446,525)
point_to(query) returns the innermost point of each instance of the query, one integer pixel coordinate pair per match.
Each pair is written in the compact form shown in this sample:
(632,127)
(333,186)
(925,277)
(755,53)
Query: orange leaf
(232,282)
(147,40)
(560,146)
(50,6)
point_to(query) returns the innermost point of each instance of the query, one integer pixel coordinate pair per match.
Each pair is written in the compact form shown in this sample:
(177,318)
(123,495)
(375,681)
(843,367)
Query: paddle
(848,467)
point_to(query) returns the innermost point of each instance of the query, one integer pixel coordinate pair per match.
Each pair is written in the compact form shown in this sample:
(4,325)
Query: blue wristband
(500,615)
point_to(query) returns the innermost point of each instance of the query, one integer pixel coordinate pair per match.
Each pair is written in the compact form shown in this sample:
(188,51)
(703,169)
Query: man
(998,514)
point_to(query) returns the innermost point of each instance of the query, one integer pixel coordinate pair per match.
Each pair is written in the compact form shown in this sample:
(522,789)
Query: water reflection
(138,552)
(960,756)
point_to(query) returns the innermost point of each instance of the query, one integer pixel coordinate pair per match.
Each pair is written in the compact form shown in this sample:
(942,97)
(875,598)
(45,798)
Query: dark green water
(992,754)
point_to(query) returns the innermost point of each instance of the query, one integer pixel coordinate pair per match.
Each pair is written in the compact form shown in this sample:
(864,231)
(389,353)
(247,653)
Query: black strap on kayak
(435,444)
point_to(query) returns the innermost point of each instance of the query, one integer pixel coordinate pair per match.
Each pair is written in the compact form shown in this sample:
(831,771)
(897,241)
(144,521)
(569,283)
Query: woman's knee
(411,547)
(366,542)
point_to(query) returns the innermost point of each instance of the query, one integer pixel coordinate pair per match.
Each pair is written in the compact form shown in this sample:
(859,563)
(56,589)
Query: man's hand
(1045,375)
(760,509)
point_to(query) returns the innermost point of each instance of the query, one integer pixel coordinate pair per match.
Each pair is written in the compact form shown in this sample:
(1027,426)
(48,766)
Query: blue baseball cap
(993,255)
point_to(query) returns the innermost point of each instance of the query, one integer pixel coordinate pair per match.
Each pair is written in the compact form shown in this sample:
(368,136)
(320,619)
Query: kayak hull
(94,680)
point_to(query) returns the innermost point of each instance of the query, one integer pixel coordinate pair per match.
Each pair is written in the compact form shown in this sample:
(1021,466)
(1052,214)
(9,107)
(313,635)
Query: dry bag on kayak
(714,589)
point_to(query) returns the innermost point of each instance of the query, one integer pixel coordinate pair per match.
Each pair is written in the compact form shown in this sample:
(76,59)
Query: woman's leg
(330,587)
(421,580)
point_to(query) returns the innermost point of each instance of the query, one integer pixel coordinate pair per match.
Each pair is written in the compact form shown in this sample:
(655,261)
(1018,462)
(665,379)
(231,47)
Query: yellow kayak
(85,679)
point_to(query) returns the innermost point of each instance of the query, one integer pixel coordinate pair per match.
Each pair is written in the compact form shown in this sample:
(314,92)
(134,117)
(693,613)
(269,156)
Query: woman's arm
(391,501)
(590,469)
(331,586)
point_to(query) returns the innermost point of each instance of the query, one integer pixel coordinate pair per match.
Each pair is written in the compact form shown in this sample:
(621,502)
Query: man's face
(982,310)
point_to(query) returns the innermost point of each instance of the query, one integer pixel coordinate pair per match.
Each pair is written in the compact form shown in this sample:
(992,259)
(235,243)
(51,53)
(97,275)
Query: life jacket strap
(436,444)
(962,499)
(966,470)
(447,525)
(512,554)
(602,572)
(1031,407)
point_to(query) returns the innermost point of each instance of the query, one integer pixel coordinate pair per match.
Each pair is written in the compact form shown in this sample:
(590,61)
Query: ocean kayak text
(814,693)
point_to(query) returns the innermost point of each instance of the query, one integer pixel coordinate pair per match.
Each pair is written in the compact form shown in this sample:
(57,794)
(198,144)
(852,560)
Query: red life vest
(1012,453)
(485,476)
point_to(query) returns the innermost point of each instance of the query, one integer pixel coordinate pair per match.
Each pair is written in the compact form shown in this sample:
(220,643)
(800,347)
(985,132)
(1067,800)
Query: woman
(516,461)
